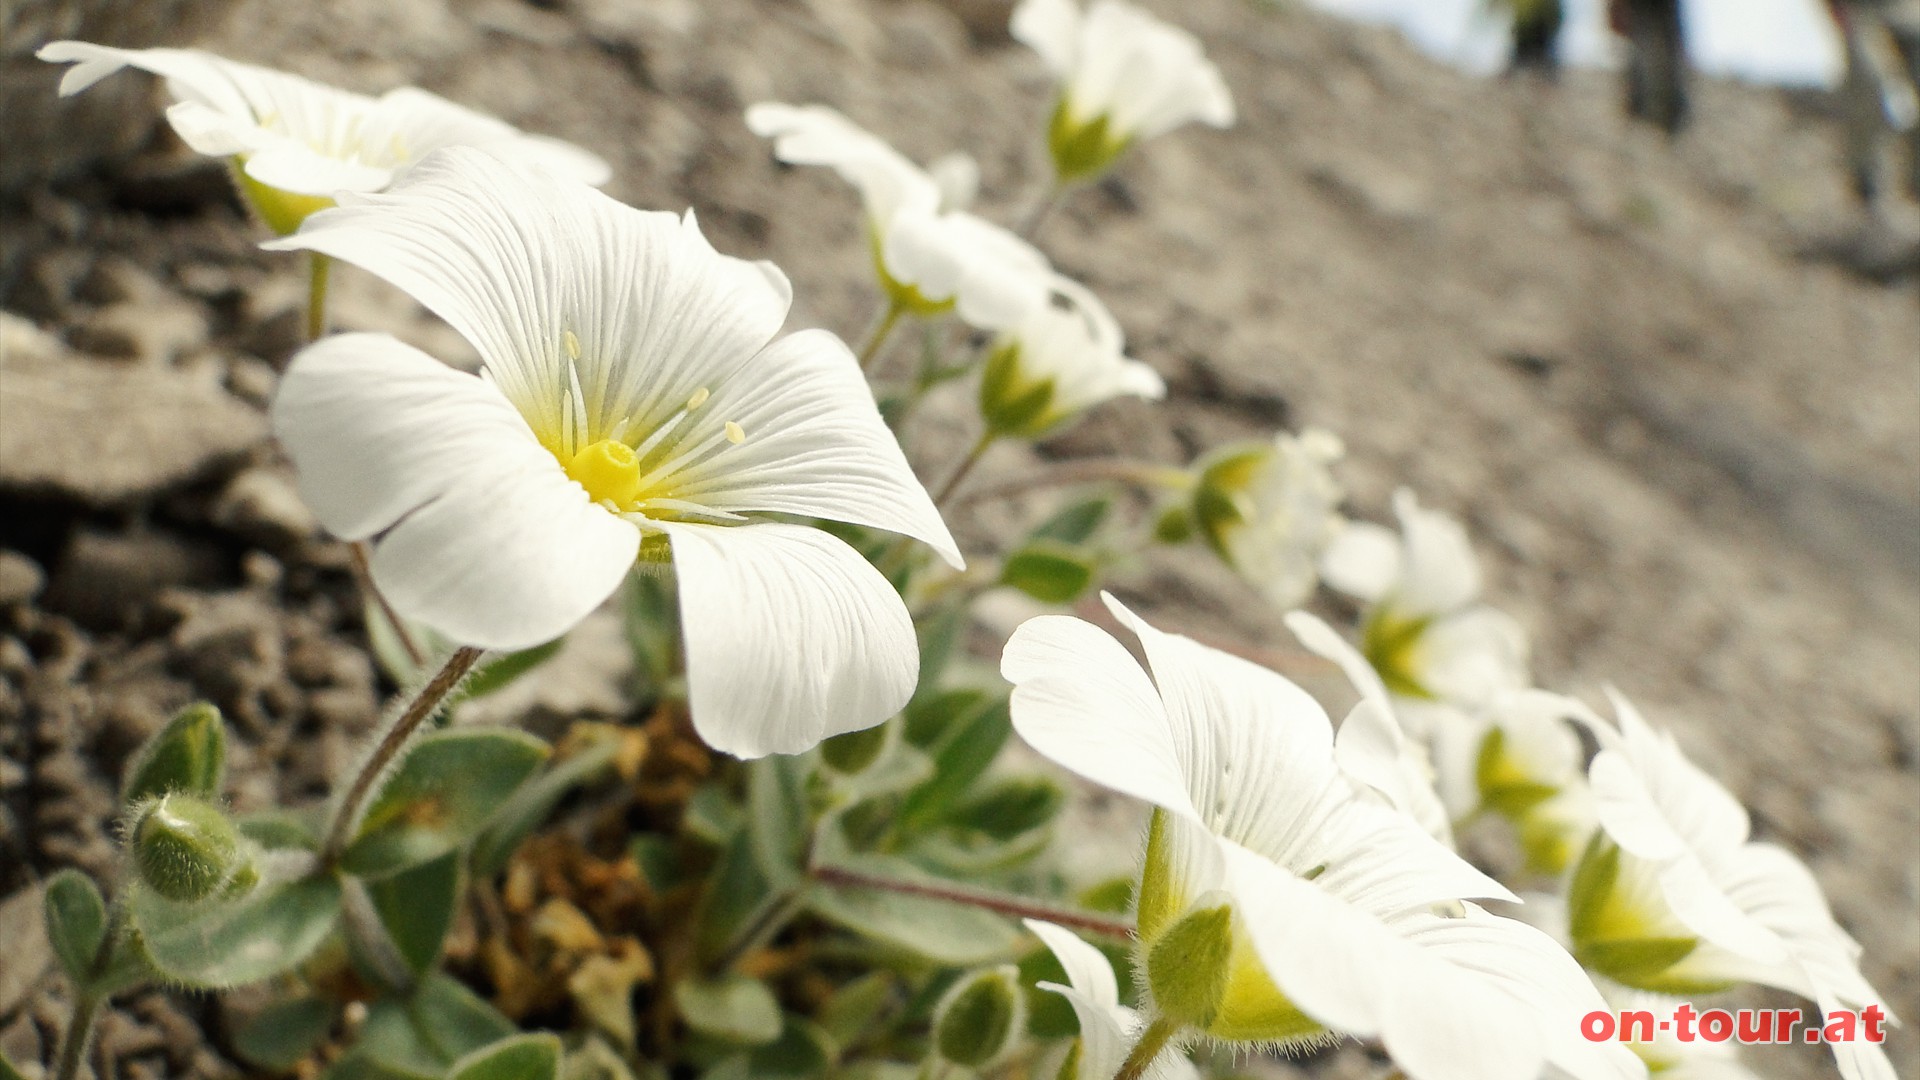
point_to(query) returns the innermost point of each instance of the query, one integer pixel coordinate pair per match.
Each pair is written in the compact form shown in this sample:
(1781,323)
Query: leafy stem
(1012,906)
(423,706)
(882,330)
(88,997)
(318,267)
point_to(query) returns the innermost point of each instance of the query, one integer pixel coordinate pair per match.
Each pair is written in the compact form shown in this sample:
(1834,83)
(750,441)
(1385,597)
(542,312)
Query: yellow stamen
(572,343)
(698,399)
(735,433)
(609,471)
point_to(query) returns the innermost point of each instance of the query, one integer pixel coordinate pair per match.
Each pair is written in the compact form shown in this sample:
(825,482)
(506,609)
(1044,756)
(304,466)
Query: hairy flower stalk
(634,407)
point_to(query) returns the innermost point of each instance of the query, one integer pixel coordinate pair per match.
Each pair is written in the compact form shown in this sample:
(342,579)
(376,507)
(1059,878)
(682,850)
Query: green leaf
(928,719)
(778,817)
(8,1071)
(850,753)
(188,754)
(431,1028)
(284,1033)
(218,945)
(1076,524)
(1050,573)
(979,1018)
(534,802)
(712,816)
(937,930)
(76,923)
(961,754)
(521,1057)
(803,1050)
(417,907)
(853,1009)
(1011,807)
(280,830)
(733,1008)
(652,618)
(736,892)
(940,632)
(446,788)
(360,1065)
(497,674)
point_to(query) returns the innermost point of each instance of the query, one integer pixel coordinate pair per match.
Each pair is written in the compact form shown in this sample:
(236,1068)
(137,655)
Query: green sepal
(1188,965)
(1174,525)
(518,1057)
(732,1008)
(1050,572)
(446,788)
(1081,149)
(1502,788)
(188,754)
(76,917)
(1013,404)
(281,211)
(417,908)
(214,946)
(284,1033)
(429,1029)
(1392,644)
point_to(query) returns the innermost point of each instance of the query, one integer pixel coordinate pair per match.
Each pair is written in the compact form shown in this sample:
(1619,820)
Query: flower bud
(1082,148)
(1270,509)
(185,848)
(1188,965)
(977,1021)
(188,754)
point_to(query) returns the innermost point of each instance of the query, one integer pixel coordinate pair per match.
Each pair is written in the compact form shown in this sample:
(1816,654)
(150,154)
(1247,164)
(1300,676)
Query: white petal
(888,182)
(1086,967)
(1440,573)
(815,445)
(411,123)
(1256,750)
(516,259)
(790,635)
(1381,861)
(1080,699)
(1371,749)
(1473,656)
(1324,641)
(1363,561)
(994,278)
(483,536)
(1050,28)
(1699,807)
(958,177)
(1627,810)
(294,166)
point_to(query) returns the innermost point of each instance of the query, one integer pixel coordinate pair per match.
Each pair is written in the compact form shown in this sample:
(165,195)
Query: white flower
(1665,1054)
(634,402)
(1280,904)
(302,141)
(1269,510)
(930,253)
(1674,897)
(1108,1029)
(1124,75)
(1064,357)
(1426,631)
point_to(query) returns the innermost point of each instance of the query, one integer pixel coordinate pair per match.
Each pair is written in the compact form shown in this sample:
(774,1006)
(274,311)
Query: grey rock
(263,506)
(21,579)
(105,434)
(23,941)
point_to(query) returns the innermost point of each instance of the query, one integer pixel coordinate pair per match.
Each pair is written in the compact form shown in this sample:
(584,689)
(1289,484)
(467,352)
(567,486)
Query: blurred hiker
(1880,95)
(1536,33)
(1657,71)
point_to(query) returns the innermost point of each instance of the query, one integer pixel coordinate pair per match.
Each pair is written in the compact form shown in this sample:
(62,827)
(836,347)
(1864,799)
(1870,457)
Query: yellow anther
(698,399)
(572,343)
(609,471)
(735,433)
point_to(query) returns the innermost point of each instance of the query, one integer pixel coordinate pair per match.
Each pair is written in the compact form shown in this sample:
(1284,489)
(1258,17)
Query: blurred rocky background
(1671,382)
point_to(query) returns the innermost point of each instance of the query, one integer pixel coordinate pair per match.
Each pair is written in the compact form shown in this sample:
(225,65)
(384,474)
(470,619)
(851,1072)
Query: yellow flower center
(609,470)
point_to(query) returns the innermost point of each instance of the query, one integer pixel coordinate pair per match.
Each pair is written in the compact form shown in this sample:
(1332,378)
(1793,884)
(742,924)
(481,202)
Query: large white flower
(1279,902)
(1124,75)
(1674,897)
(1426,631)
(1064,357)
(931,254)
(1269,510)
(634,403)
(297,142)
(1108,1029)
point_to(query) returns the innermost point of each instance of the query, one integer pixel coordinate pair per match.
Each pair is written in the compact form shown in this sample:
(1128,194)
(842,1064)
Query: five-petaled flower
(1124,76)
(634,404)
(295,142)
(930,253)
(1673,896)
(1065,356)
(1425,630)
(1280,902)
(1269,510)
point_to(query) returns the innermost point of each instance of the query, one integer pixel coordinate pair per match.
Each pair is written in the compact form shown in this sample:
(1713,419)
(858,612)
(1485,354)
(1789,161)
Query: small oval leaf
(522,1057)
(188,754)
(217,945)
(76,922)
(447,787)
